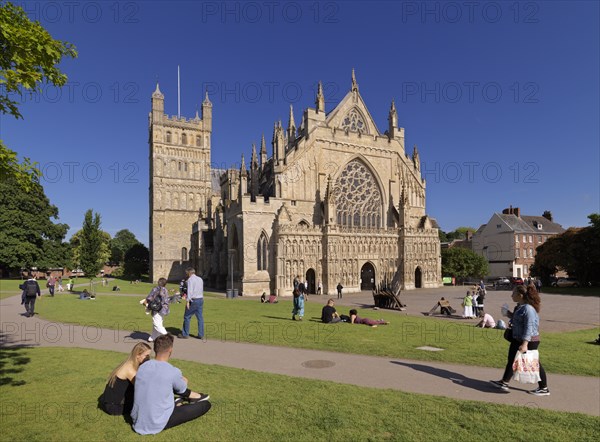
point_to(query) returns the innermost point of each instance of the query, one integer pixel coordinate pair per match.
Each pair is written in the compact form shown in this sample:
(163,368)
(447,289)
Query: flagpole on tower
(178,95)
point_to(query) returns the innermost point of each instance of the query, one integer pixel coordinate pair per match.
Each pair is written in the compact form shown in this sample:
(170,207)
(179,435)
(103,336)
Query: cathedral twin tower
(338,201)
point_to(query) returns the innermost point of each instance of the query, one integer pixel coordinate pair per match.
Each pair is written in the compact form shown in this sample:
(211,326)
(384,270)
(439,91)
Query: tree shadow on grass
(456,378)
(12,361)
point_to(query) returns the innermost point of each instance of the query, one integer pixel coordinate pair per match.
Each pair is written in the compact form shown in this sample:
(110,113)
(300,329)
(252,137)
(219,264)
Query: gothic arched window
(183,138)
(358,198)
(198,141)
(184,254)
(168,136)
(354,122)
(261,253)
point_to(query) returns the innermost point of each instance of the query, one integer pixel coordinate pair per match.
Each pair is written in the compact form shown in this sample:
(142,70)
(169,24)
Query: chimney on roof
(512,211)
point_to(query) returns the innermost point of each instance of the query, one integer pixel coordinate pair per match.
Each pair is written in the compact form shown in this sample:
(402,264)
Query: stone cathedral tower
(180,184)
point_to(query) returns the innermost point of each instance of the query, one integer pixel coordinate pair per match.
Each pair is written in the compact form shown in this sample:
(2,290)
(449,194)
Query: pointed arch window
(262,258)
(354,122)
(358,198)
(168,136)
(183,138)
(198,141)
(184,254)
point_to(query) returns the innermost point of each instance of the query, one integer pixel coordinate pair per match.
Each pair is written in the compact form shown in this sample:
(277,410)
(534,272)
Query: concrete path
(569,393)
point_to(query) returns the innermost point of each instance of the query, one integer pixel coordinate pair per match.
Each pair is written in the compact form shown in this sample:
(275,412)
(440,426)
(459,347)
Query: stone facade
(337,201)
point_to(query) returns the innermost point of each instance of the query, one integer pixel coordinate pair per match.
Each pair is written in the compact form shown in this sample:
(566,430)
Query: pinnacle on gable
(157,93)
(206,101)
(354,83)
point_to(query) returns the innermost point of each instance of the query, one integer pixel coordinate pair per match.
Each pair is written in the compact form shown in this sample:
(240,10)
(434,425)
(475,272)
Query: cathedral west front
(336,201)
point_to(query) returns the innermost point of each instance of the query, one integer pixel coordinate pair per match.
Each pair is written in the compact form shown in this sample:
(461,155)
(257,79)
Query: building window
(198,141)
(261,253)
(530,238)
(179,166)
(184,254)
(517,239)
(498,226)
(183,138)
(531,253)
(525,270)
(517,253)
(354,122)
(168,137)
(539,238)
(358,197)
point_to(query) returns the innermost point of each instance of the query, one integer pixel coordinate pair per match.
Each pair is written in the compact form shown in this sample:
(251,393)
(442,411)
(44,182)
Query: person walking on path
(31,289)
(194,305)
(299,298)
(525,335)
(339,290)
(154,405)
(50,284)
(160,290)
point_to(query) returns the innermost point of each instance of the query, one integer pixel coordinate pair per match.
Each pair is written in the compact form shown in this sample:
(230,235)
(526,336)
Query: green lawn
(50,394)
(271,324)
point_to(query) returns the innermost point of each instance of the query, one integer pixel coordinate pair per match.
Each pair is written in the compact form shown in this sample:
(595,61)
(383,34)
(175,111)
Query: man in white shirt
(194,304)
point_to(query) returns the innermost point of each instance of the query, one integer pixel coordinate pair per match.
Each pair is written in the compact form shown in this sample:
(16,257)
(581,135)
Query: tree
(90,247)
(576,251)
(462,263)
(120,244)
(458,233)
(137,261)
(24,174)
(28,235)
(76,247)
(29,56)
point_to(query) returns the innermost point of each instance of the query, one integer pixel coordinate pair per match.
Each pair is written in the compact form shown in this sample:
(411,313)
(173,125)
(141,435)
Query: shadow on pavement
(456,378)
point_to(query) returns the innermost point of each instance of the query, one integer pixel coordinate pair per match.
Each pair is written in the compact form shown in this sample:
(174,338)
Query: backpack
(156,304)
(30,289)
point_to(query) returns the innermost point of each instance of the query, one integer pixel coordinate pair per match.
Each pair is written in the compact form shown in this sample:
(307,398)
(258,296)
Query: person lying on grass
(154,405)
(117,398)
(355,319)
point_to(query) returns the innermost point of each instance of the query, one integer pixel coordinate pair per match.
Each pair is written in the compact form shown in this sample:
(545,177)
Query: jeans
(298,306)
(51,290)
(195,308)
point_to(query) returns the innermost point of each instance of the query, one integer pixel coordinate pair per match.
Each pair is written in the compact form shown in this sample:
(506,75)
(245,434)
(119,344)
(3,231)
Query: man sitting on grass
(329,315)
(154,405)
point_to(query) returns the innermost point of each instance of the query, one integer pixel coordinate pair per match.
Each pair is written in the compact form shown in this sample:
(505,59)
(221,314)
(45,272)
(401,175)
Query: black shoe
(500,384)
(200,337)
(182,336)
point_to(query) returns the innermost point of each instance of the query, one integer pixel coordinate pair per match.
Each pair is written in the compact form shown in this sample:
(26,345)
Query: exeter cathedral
(337,201)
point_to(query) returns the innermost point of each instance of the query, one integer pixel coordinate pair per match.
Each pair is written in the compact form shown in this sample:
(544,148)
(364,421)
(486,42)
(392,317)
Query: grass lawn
(50,394)
(251,321)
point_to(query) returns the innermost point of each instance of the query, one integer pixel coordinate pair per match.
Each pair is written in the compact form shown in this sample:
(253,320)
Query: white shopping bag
(526,367)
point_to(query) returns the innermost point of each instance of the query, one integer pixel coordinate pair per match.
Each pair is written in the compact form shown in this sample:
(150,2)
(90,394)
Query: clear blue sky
(502,98)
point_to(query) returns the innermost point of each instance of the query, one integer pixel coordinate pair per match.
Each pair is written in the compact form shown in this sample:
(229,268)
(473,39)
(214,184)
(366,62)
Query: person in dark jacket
(31,289)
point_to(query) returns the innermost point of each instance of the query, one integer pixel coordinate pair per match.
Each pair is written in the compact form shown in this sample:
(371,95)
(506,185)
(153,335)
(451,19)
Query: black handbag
(508,334)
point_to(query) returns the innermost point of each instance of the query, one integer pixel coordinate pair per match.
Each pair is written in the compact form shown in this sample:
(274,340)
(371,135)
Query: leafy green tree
(120,244)
(137,261)
(576,251)
(28,235)
(90,245)
(24,175)
(75,243)
(462,263)
(29,56)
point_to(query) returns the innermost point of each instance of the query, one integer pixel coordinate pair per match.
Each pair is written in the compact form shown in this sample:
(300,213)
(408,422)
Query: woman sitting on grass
(117,398)
(355,319)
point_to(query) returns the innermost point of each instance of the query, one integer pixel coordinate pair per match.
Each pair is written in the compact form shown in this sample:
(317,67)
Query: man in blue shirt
(194,304)
(154,407)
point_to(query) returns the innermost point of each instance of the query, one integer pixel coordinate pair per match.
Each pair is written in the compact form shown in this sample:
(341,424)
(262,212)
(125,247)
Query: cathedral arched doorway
(367,277)
(310,278)
(418,278)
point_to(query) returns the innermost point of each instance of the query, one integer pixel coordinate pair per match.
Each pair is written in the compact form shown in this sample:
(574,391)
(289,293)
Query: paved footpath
(569,393)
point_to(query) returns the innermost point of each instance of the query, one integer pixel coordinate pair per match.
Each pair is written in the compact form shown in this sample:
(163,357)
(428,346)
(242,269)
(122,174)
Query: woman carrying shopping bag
(525,335)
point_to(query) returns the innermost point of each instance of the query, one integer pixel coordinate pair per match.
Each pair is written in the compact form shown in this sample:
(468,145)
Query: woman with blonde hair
(117,398)
(525,335)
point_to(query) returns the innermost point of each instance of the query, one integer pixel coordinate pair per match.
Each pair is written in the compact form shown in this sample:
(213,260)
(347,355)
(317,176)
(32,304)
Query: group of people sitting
(145,390)
(329,315)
